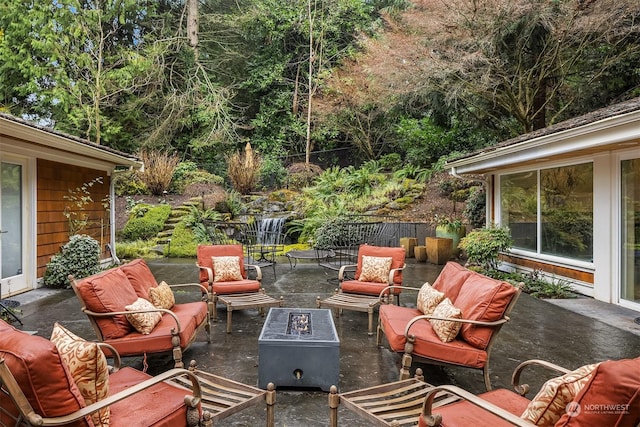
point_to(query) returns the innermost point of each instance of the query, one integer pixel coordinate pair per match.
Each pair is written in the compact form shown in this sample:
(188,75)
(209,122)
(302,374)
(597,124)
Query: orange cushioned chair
(37,388)
(378,267)
(600,394)
(105,298)
(224,272)
(482,305)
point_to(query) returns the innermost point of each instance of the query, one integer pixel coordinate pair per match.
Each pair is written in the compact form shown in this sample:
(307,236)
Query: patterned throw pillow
(375,269)
(162,296)
(88,367)
(226,268)
(446,329)
(551,401)
(143,322)
(428,298)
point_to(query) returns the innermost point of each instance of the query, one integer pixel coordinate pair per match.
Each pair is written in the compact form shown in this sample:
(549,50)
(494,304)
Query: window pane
(566,203)
(630,266)
(11,216)
(519,208)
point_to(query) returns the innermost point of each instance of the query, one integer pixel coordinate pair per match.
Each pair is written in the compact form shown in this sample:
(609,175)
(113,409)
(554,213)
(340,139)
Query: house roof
(613,127)
(51,139)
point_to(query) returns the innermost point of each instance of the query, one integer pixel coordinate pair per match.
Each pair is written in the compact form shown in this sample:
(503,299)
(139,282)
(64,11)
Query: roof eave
(35,134)
(602,133)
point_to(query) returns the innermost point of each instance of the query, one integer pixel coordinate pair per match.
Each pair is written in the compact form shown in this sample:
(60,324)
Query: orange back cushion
(105,292)
(450,280)
(140,276)
(205,252)
(485,299)
(42,376)
(397,258)
(610,398)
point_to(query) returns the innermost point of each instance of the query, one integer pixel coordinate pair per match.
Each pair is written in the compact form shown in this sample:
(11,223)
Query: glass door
(12,277)
(630,236)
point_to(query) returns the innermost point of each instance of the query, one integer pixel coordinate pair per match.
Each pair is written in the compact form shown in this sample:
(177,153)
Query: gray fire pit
(299,347)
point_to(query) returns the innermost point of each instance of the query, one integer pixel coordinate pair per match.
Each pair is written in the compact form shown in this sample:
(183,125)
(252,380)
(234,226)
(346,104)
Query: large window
(550,211)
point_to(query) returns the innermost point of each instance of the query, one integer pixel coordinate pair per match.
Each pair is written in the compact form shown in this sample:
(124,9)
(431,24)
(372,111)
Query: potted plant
(450,227)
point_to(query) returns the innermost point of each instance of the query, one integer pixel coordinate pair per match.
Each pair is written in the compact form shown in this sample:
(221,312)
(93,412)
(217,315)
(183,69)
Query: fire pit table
(299,347)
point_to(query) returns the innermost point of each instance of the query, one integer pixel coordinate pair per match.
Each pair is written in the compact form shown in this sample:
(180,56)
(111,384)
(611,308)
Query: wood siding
(55,181)
(555,270)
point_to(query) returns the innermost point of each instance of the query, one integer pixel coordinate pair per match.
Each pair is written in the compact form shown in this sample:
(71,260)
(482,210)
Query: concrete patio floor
(570,333)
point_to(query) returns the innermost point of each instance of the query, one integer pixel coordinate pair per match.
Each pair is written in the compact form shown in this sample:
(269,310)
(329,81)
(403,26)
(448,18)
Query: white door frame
(617,245)
(25,281)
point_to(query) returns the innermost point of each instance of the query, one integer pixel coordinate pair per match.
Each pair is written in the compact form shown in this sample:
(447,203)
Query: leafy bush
(231,205)
(80,257)
(537,286)
(148,225)
(136,249)
(332,233)
(187,173)
(302,175)
(183,243)
(483,245)
(390,162)
(129,184)
(475,207)
(272,173)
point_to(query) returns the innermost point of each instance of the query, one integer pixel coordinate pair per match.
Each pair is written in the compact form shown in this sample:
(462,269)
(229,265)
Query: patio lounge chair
(598,394)
(377,267)
(224,272)
(66,381)
(456,320)
(118,303)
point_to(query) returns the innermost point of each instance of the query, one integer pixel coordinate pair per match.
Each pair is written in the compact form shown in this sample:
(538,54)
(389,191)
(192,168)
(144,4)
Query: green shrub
(537,286)
(148,225)
(475,207)
(129,184)
(483,245)
(187,173)
(183,243)
(272,173)
(390,162)
(80,257)
(136,249)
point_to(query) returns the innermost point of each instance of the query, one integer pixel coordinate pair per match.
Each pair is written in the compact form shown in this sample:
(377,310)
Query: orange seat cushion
(484,299)
(41,374)
(397,259)
(365,288)
(190,315)
(161,405)
(450,280)
(140,277)
(394,320)
(235,287)
(465,414)
(106,292)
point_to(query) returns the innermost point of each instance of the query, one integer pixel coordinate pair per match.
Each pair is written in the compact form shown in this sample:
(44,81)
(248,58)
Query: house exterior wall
(51,164)
(57,186)
(599,278)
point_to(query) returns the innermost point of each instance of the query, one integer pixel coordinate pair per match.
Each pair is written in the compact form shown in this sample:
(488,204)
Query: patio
(539,329)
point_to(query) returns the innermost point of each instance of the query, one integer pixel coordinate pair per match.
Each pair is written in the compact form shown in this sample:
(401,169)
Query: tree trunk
(192,25)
